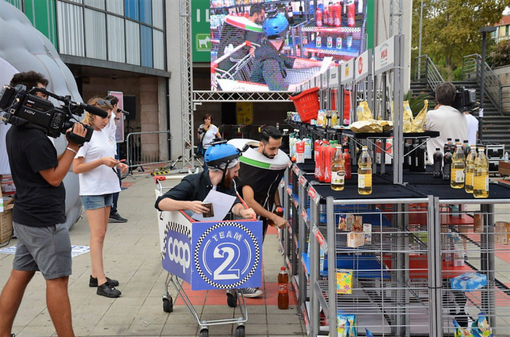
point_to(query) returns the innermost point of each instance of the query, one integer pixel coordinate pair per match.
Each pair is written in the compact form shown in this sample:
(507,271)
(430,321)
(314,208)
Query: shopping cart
(209,255)
(240,71)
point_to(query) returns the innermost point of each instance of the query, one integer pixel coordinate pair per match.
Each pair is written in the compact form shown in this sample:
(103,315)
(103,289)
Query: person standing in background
(96,166)
(207,132)
(472,124)
(450,122)
(111,128)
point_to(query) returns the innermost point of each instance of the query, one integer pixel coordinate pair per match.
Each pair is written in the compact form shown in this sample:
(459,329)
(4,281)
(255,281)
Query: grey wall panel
(158,49)
(132,42)
(70,29)
(116,39)
(95,34)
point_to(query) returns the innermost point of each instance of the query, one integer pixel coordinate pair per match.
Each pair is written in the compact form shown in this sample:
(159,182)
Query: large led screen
(278,45)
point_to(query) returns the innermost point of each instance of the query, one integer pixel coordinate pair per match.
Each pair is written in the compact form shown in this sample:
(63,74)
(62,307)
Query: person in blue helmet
(223,167)
(270,65)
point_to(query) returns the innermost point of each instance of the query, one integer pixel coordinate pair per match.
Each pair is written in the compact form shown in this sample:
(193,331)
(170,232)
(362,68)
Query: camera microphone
(93,110)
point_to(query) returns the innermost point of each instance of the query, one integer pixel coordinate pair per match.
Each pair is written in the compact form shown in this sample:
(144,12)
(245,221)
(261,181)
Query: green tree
(451,29)
(500,55)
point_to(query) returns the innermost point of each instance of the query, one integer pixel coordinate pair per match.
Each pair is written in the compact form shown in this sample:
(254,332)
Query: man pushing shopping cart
(201,247)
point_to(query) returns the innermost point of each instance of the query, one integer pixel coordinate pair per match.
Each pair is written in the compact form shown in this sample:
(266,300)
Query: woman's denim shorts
(96,201)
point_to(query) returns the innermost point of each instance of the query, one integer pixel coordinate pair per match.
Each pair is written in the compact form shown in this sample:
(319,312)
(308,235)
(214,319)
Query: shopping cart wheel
(204,333)
(240,331)
(168,305)
(232,298)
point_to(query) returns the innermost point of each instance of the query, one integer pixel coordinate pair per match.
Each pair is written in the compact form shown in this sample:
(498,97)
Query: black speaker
(130,106)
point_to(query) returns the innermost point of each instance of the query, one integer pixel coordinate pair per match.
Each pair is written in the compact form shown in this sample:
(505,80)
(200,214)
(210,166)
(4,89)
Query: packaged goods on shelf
(468,282)
(346,324)
(355,239)
(502,232)
(480,327)
(363,112)
(344,281)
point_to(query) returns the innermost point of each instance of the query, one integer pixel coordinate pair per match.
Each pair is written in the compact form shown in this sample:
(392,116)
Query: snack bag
(460,331)
(420,119)
(481,327)
(408,118)
(344,281)
(363,112)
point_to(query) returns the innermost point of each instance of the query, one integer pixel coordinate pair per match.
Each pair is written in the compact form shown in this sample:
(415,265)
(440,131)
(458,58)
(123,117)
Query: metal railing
(425,70)
(505,98)
(143,148)
(471,71)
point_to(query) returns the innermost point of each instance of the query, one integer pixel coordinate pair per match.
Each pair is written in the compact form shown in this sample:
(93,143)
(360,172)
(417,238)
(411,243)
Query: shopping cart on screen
(208,256)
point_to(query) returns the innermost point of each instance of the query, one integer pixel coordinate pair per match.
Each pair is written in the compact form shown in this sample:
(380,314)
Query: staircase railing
(425,70)
(505,98)
(471,71)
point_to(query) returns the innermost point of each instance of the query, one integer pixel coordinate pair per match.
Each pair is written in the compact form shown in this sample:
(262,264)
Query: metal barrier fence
(143,148)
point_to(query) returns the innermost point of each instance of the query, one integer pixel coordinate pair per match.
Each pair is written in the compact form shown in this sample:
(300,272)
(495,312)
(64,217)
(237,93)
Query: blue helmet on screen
(221,156)
(275,26)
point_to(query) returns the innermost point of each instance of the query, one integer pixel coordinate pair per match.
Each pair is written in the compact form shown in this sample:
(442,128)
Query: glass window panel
(158,11)
(70,29)
(146,46)
(95,3)
(132,42)
(146,12)
(132,9)
(115,6)
(116,39)
(95,34)
(159,50)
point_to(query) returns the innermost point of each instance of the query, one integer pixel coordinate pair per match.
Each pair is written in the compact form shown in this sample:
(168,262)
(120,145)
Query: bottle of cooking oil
(481,176)
(458,167)
(338,170)
(470,169)
(364,172)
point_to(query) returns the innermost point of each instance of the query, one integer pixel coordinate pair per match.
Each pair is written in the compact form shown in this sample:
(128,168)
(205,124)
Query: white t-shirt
(102,179)
(209,136)
(472,124)
(111,130)
(450,123)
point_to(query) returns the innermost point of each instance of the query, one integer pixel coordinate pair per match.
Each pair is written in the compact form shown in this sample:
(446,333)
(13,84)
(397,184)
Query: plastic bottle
(470,170)
(364,172)
(329,42)
(290,14)
(347,164)
(325,16)
(438,163)
(481,176)
(448,147)
(422,158)
(407,156)
(505,157)
(466,148)
(329,153)
(300,151)
(338,170)
(351,20)
(283,289)
(318,18)
(278,211)
(458,167)
(337,17)
(317,158)
(308,148)
(318,41)
(447,165)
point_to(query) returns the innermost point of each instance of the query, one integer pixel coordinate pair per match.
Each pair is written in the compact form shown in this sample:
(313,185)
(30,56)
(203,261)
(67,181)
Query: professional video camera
(465,99)
(28,109)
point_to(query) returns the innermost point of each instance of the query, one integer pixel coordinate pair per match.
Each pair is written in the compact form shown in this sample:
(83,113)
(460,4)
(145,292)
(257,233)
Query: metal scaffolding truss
(219,96)
(396,13)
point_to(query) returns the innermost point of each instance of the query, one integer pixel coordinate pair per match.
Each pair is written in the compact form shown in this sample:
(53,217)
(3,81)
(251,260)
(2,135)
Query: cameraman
(450,122)
(38,218)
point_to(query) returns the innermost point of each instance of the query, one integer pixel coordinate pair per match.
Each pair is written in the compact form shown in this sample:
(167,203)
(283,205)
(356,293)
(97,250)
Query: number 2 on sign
(229,252)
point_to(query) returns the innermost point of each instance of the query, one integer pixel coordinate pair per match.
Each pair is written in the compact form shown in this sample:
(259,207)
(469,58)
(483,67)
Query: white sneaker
(251,292)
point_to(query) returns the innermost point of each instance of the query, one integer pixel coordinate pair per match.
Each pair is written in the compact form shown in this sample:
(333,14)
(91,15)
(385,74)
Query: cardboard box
(502,232)
(355,239)
(468,282)
(6,224)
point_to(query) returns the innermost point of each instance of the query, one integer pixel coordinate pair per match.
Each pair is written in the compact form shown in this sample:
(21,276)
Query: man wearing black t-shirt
(258,185)
(38,218)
